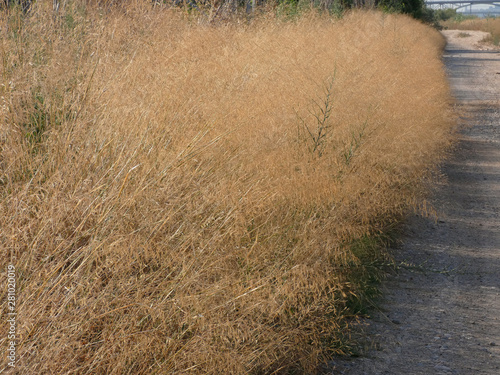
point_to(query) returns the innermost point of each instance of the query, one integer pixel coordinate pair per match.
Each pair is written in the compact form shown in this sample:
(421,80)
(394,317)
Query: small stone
(493,344)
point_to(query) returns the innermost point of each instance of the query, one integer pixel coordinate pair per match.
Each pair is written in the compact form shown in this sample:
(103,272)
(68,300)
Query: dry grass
(178,196)
(489,25)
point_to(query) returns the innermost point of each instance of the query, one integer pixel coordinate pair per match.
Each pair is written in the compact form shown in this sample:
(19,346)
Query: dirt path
(443,315)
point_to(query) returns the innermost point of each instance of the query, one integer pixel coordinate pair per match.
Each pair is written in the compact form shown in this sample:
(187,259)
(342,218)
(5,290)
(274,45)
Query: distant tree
(445,14)
(24,4)
(414,8)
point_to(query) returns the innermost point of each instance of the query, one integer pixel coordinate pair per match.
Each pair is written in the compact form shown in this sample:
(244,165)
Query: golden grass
(163,201)
(489,25)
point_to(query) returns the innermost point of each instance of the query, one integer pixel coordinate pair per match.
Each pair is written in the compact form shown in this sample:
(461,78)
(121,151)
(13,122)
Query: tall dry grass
(182,197)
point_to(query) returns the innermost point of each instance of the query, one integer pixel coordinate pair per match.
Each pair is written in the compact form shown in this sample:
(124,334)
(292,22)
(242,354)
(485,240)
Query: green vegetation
(287,8)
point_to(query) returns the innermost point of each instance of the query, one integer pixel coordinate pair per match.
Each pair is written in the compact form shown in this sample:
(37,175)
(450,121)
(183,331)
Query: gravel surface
(440,313)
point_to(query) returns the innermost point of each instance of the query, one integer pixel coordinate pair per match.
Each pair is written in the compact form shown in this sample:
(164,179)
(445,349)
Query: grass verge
(183,196)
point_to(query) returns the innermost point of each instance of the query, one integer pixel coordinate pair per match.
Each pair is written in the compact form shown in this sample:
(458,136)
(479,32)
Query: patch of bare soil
(440,313)
(470,39)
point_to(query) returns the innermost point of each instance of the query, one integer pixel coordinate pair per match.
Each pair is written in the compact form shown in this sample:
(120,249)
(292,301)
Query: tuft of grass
(161,214)
(368,268)
(494,38)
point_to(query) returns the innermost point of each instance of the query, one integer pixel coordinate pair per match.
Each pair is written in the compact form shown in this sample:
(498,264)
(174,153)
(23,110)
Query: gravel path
(441,313)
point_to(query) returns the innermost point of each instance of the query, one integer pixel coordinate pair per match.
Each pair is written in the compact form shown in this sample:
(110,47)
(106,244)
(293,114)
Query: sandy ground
(440,313)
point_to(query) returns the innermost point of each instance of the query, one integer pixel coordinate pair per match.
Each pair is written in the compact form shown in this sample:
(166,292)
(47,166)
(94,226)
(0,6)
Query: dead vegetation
(179,196)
